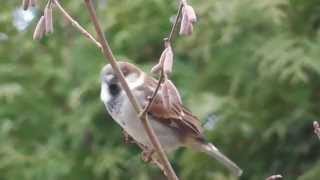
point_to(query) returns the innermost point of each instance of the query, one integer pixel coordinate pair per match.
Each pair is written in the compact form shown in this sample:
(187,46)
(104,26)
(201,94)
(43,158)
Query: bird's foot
(146,155)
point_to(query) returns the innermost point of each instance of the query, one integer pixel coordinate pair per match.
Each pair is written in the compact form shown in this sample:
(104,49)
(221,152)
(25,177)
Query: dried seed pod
(25,4)
(40,29)
(188,19)
(190,13)
(165,61)
(168,61)
(157,68)
(165,95)
(186,27)
(48,19)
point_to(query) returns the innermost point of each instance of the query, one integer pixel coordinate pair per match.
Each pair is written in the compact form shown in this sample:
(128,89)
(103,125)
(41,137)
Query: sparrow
(175,127)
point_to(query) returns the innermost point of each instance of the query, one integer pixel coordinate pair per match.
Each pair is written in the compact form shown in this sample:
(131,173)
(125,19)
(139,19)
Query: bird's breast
(127,118)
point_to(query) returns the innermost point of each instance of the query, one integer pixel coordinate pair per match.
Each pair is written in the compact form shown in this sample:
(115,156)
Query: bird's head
(110,84)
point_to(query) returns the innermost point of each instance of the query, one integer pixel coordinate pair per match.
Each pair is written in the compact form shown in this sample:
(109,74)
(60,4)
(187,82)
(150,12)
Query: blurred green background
(250,72)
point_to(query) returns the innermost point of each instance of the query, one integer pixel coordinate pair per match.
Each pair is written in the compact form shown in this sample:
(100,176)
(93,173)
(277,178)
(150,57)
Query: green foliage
(252,63)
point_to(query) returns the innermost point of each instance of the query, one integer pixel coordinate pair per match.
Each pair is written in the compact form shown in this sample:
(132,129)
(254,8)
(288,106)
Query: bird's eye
(114,89)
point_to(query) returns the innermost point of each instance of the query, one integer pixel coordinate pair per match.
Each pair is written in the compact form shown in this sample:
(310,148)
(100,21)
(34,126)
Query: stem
(106,50)
(147,107)
(162,74)
(76,24)
(175,25)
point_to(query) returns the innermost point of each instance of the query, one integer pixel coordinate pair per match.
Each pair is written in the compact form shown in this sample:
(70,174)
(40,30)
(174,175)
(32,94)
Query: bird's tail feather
(212,151)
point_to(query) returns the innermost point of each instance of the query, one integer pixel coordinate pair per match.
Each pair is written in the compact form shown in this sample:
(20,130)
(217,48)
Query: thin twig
(151,99)
(76,24)
(162,75)
(175,25)
(106,50)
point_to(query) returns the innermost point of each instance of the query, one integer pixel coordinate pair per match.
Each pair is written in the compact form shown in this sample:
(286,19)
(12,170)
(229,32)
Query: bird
(175,126)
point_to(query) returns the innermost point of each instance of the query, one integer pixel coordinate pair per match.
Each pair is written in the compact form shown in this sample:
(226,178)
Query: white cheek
(109,77)
(131,77)
(134,82)
(104,94)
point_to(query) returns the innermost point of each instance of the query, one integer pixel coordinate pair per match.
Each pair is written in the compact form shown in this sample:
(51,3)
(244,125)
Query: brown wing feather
(176,116)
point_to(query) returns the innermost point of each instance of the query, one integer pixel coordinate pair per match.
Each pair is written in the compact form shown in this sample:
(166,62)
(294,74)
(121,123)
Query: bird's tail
(212,151)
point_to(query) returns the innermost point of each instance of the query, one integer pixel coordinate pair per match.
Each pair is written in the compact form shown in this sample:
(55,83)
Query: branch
(76,24)
(162,74)
(175,25)
(106,50)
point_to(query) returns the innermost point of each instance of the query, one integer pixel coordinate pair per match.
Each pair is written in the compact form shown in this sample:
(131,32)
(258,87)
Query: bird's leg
(150,156)
(127,138)
(155,160)
(146,155)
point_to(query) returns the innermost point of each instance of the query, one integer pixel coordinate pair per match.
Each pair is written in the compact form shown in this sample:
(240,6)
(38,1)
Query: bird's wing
(174,115)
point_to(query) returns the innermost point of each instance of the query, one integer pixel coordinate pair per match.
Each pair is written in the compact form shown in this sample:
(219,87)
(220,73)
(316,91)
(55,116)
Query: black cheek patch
(114,89)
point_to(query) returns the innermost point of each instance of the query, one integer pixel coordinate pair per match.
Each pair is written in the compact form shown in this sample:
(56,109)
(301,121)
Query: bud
(165,95)
(188,19)
(48,19)
(40,29)
(190,13)
(25,4)
(165,61)
(157,68)
(186,28)
(168,61)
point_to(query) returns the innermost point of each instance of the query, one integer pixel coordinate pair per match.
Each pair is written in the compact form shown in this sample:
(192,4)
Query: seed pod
(25,4)
(168,61)
(48,20)
(186,27)
(188,19)
(165,95)
(157,68)
(190,13)
(40,29)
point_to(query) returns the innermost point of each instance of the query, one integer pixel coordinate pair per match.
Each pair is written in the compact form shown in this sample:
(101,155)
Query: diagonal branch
(106,50)
(76,24)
